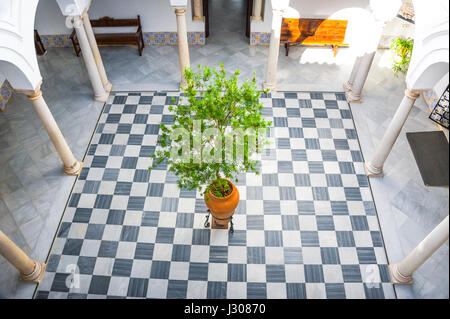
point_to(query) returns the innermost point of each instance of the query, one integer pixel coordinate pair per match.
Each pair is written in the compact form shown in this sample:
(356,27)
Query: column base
(102,98)
(347,86)
(269,86)
(256,19)
(397,278)
(75,170)
(372,171)
(352,98)
(198,19)
(37,274)
(108,87)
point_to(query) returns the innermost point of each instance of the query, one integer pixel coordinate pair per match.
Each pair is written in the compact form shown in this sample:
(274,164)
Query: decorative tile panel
(260,38)
(5,94)
(150,38)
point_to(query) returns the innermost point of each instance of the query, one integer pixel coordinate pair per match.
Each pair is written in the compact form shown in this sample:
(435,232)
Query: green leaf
(217,100)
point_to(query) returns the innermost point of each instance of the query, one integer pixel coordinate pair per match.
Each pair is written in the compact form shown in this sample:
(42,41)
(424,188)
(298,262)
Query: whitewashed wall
(310,9)
(156,15)
(441,86)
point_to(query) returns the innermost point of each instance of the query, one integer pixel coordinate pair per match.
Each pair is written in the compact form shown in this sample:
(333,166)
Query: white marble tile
(403,202)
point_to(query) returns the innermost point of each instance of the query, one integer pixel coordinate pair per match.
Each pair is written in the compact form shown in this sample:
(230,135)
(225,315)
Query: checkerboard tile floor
(305,228)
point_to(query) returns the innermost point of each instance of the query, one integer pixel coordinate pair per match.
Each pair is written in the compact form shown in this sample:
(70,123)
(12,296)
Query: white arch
(430,58)
(18,62)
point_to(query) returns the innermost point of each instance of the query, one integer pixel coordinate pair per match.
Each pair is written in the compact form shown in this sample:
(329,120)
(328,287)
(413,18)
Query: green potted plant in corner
(217,131)
(402,49)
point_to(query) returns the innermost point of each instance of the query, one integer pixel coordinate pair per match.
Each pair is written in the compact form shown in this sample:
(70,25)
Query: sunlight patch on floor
(326,56)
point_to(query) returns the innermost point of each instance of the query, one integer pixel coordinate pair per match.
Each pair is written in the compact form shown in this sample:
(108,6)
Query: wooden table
(321,32)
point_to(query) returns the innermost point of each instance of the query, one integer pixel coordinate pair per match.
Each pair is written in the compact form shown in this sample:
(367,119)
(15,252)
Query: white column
(360,77)
(71,165)
(198,10)
(30,270)
(257,10)
(274,50)
(183,47)
(382,11)
(349,84)
(374,167)
(99,91)
(401,274)
(96,52)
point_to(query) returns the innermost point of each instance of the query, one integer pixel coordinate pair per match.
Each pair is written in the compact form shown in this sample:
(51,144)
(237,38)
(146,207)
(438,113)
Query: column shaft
(402,273)
(274,51)
(30,270)
(198,10)
(71,165)
(349,84)
(375,166)
(354,95)
(183,46)
(89,61)
(96,52)
(257,10)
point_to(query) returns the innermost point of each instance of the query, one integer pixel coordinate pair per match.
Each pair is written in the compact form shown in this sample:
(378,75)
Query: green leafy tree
(217,129)
(402,49)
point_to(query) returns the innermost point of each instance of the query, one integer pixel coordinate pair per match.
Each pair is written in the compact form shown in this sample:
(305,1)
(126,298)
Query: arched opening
(18,62)
(18,78)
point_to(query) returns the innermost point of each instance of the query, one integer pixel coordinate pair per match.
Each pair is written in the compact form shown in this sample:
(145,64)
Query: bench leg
(335,48)
(77,51)
(140,44)
(139,47)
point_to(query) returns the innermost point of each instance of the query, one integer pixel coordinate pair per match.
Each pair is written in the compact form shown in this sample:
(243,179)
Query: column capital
(412,94)
(180,11)
(35,95)
(77,21)
(30,92)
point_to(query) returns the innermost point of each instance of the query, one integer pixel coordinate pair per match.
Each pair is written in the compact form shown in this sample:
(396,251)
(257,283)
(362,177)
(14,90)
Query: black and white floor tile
(305,228)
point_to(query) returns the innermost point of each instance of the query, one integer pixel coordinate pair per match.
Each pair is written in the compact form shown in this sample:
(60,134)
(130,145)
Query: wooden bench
(40,49)
(322,32)
(114,38)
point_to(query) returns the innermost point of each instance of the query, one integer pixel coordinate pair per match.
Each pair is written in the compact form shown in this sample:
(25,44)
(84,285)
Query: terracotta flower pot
(222,208)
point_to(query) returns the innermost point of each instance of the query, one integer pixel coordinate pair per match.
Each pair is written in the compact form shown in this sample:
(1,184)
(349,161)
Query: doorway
(232,16)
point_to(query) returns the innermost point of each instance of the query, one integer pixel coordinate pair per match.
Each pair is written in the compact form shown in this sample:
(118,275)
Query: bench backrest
(111,22)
